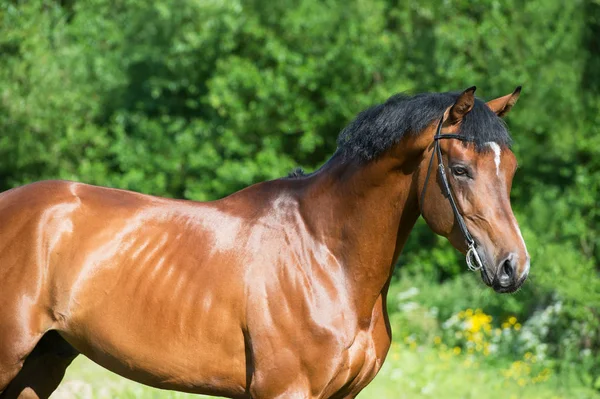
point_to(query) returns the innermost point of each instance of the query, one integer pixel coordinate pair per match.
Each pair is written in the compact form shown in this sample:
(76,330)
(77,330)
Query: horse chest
(322,351)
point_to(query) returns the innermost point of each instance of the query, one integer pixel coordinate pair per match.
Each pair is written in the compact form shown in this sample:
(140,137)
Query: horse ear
(464,103)
(503,104)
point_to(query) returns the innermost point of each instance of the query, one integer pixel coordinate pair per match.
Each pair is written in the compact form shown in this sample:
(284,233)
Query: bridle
(474,263)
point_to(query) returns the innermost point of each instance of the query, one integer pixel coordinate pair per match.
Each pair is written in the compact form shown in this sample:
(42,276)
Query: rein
(474,263)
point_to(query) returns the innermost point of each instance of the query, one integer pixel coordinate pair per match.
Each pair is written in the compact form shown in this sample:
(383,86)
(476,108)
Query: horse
(276,291)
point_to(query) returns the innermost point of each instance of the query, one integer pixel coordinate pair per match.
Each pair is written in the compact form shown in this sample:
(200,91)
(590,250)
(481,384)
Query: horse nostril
(506,271)
(507,268)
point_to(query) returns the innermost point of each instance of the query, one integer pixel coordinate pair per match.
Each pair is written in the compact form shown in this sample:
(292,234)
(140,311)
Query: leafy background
(197,99)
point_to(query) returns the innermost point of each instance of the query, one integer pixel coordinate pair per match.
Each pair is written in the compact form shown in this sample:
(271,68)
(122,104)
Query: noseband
(473,261)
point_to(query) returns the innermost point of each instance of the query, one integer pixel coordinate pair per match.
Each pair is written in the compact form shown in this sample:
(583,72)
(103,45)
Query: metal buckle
(472,254)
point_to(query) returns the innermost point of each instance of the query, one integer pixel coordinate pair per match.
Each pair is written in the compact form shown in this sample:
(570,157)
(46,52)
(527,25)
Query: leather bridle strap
(473,261)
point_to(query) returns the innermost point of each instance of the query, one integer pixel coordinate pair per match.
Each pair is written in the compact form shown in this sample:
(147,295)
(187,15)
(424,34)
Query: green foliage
(198,99)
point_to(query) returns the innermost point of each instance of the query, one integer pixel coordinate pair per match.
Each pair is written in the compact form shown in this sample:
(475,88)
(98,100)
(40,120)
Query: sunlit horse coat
(277,291)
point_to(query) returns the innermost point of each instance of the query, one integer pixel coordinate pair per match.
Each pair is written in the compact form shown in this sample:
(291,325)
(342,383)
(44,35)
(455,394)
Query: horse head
(478,166)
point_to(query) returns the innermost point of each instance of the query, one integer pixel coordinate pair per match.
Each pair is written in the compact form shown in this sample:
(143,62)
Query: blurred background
(196,99)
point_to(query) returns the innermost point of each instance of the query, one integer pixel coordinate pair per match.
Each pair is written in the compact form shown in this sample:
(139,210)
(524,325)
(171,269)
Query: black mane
(378,128)
(298,172)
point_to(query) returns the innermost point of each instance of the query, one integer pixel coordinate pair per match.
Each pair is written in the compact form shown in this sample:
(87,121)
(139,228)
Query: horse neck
(364,212)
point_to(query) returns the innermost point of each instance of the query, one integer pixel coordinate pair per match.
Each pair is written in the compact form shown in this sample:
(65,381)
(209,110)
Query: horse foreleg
(43,369)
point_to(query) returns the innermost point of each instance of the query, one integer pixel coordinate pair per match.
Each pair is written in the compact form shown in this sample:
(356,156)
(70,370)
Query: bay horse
(276,291)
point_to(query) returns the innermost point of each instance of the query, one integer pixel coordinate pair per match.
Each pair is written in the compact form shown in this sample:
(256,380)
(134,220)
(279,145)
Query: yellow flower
(545,372)
(469,312)
(437,340)
(528,355)
(544,375)
(456,350)
(517,326)
(512,320)
(477,322)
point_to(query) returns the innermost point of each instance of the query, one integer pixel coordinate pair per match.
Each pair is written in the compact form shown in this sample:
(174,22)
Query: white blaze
(516,226)
(497,151)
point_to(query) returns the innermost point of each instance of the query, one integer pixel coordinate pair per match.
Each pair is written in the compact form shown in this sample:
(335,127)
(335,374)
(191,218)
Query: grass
(418,372)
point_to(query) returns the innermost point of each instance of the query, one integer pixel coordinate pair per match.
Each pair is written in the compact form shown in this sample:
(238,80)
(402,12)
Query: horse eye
(459,171)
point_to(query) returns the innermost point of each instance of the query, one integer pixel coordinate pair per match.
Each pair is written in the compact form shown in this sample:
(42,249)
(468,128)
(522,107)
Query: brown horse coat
(277,291)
